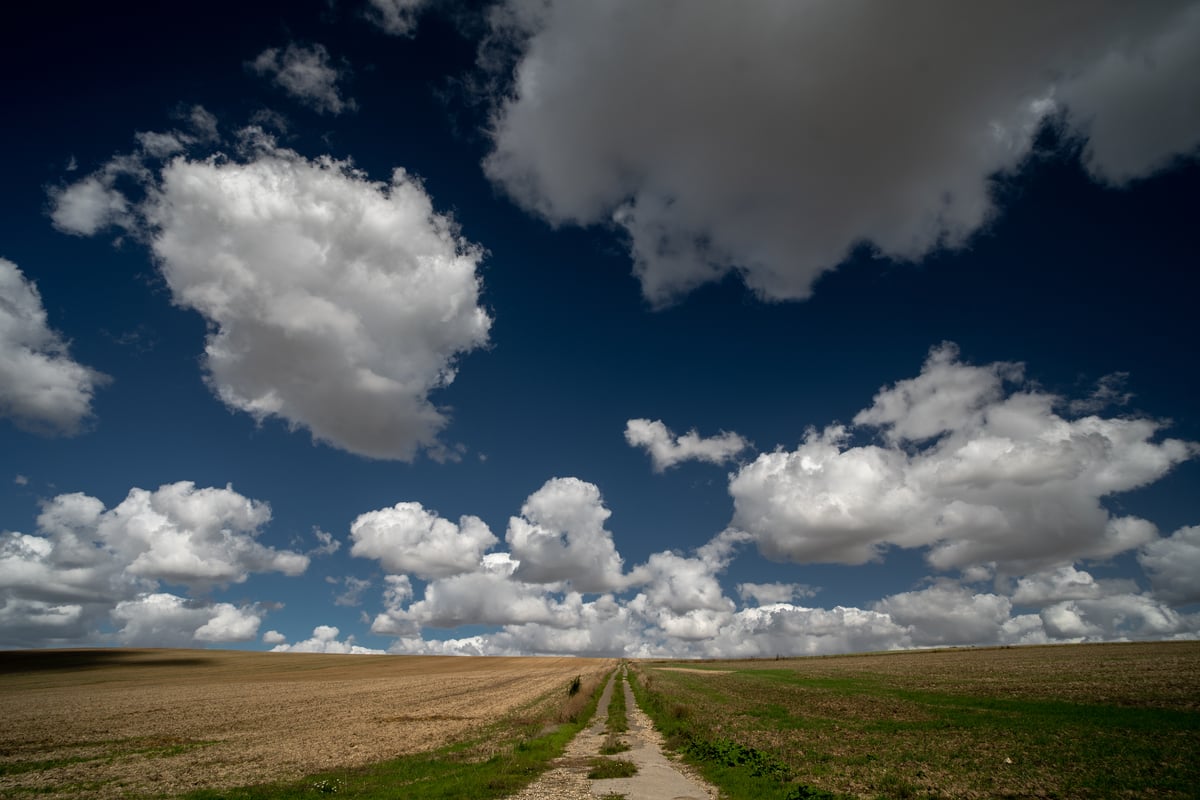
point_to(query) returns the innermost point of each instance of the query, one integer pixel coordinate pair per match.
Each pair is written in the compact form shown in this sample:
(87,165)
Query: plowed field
(112,723)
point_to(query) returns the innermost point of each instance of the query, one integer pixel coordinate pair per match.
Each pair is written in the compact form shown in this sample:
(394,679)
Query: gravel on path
(658,777)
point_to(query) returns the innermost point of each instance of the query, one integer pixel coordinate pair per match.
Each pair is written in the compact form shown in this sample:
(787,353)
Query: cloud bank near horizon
(969,464)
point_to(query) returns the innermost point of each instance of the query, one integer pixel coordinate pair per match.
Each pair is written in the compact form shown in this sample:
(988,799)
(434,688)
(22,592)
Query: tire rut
(658,777)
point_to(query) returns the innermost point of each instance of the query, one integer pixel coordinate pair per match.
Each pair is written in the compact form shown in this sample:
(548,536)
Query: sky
(633,329)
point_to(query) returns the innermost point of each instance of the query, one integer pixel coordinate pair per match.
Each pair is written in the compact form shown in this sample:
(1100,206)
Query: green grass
(448,773)
(613,745)
(618,721)
(789,733)
(604,768)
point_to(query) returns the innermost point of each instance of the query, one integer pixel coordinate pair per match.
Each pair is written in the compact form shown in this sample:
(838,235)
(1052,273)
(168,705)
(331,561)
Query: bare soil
(116,723)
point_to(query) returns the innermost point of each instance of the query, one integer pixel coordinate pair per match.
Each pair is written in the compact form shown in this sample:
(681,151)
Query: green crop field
(1080,721)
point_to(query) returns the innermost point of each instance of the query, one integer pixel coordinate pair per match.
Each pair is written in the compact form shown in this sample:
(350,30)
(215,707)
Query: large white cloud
(970,466)
(42,389)
(337,303)
(773,143)
(334,302)
(88,565)
(305,72)
(189,536)
(666,449)
(560,536)
(407,538)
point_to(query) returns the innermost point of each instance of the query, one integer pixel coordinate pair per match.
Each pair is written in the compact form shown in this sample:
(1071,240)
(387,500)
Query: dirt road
(658,777)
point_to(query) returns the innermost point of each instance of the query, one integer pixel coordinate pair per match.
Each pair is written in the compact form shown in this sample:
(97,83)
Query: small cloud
(666,449)
(328,546)
(765,594)
(273,637)
(21,480)
(306,74)
(325,640)
(1109,392)
(397,17)
(354,591)
(271,120)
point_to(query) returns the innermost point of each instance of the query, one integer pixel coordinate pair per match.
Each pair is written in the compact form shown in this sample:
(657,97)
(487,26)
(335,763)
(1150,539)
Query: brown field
(1066,721)
(124,722)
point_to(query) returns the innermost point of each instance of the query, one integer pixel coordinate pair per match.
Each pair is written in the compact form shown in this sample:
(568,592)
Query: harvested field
(116,723)
(1073,721)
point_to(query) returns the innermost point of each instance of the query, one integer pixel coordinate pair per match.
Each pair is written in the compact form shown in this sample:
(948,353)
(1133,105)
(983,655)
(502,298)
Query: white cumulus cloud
(773,143)
(407,538)
(42,389)
(325,640)
(560,536)
(88,565)
(305,72)
(971,466)
(335,303)
(666,449)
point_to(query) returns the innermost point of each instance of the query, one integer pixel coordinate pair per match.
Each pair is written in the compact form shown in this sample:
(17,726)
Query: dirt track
(177,720)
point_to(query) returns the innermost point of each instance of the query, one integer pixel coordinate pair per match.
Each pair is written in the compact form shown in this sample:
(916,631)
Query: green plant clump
(603,768)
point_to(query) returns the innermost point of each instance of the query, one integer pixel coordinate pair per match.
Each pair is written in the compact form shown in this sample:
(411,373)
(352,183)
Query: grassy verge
(509,756)
(983,724)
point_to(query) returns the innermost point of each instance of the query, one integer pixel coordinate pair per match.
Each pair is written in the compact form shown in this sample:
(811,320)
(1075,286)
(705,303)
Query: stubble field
(117,723)
(1072,721)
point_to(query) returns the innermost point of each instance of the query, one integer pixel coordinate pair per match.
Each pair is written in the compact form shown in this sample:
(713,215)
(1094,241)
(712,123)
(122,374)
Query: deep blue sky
(1081,267)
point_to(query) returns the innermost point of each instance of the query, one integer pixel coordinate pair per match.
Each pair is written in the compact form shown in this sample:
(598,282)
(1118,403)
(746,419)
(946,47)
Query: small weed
(613,744)
(575,685)
(613,796)
(328,786)
(603,768)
